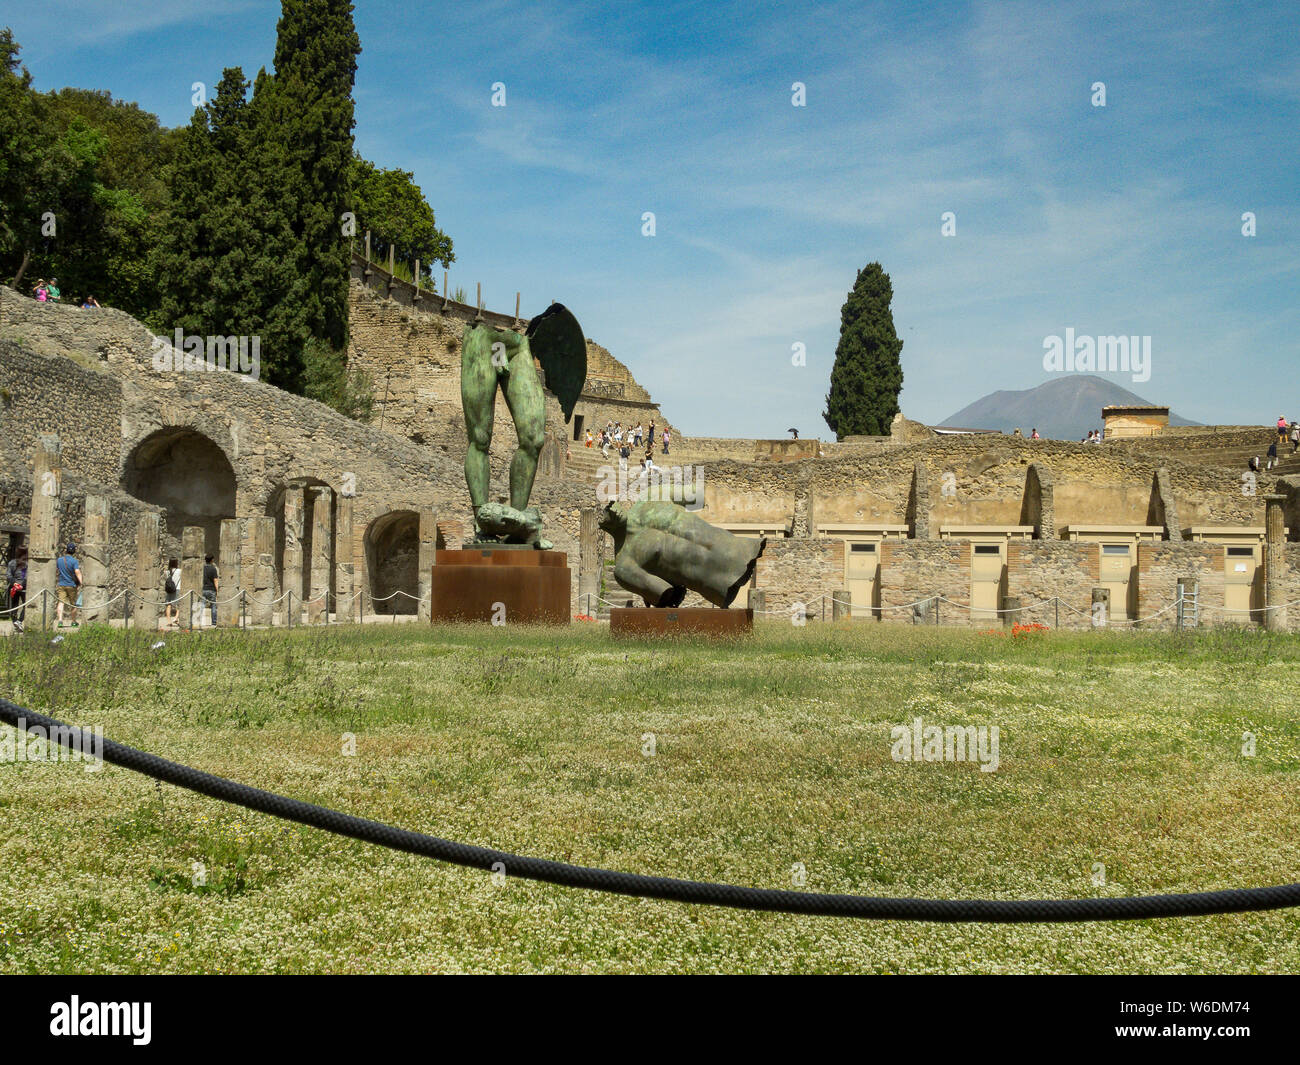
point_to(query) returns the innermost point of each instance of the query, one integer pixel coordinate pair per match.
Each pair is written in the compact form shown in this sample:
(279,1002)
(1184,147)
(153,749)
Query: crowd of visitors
(626,440)
(1287,432)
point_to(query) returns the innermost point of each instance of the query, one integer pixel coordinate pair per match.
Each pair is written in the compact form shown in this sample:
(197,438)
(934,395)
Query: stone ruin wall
(88,376)
(410,349)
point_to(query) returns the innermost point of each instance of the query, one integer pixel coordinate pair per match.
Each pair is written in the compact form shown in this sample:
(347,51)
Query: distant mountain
(1064,408)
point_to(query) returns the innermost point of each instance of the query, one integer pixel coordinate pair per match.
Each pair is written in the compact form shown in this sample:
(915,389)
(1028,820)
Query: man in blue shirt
(68,584)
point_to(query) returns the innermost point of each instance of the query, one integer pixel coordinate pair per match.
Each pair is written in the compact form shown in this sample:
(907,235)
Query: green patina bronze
(662,551)
(492,358)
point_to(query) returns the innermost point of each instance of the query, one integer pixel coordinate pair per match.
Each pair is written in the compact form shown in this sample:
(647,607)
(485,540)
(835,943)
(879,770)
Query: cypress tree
(311,118)
(183,260)
(867,376)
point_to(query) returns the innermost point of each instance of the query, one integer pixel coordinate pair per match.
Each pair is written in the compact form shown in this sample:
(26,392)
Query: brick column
(43,538)
(291,566)
(1101,619)
(322,540)
(193,545)
(230,566)
(428,547)
(260,609)
(842,606)
(344,567)
(591,556)
(93,552)
(148,591)
(1275,616)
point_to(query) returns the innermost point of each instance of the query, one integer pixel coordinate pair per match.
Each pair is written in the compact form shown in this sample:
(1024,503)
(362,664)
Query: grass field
(1119,749)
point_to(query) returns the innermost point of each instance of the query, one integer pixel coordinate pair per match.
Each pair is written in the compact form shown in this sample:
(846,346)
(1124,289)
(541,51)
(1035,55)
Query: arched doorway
(189,476)
(393,562)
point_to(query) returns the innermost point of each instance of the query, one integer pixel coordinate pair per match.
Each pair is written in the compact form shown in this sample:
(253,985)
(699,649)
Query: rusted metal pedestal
(696,621)
(508,586)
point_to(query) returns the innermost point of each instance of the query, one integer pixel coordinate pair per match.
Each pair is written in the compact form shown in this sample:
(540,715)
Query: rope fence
(343,604)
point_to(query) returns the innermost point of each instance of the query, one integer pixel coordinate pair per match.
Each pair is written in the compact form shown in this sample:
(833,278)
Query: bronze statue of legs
(492,358)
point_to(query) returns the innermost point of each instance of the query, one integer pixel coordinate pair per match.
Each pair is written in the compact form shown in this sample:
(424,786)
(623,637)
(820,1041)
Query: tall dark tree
(867,376)
(184,258)
(310,117)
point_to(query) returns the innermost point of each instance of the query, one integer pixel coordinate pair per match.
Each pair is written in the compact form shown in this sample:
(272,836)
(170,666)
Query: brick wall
(1159,567)
(800,571)
(1045,569)
(911,570)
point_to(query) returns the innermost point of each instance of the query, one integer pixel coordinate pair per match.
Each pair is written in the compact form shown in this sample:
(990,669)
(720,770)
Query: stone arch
(392,544)
(188,475)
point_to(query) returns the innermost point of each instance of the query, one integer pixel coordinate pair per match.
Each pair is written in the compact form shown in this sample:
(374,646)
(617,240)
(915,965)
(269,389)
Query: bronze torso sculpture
(661,551)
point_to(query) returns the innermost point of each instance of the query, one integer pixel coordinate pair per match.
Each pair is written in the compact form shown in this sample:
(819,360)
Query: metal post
(1056,604)
(288,612)
(191,594)
(936,611)
(44,616)
(126,610)
(243,609)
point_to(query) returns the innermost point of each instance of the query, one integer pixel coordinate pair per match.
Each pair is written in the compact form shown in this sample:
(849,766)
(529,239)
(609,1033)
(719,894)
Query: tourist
(588,438)
(41,293)
(636,435)
(1034,435)
(604,441)
(618,432)
(623,454)
(53,289)
(90,304)
(16,586)
(1254,464)
(665,440)
(68,584)
(172,592)
(1295,437)
(1018,432)
(1281,427)
(650,433)
(211,582)
(1272,454)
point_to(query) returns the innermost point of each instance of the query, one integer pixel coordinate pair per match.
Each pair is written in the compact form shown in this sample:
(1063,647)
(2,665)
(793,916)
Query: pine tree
(867,376)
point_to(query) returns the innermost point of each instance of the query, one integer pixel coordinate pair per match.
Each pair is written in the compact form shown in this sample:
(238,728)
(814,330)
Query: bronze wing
(557,342)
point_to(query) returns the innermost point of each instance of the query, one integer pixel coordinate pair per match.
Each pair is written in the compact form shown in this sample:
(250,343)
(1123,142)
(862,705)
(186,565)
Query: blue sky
(1123,219)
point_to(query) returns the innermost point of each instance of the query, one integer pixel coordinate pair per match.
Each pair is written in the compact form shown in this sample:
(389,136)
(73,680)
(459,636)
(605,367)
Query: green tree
(392,208)
(867,376)
(81,190)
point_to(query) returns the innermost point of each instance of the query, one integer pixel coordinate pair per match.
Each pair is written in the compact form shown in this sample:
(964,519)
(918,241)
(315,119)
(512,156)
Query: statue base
(506,585)
(708,621)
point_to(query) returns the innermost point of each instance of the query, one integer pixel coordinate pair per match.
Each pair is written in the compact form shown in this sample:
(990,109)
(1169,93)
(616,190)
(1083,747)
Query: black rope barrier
(1005,911)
